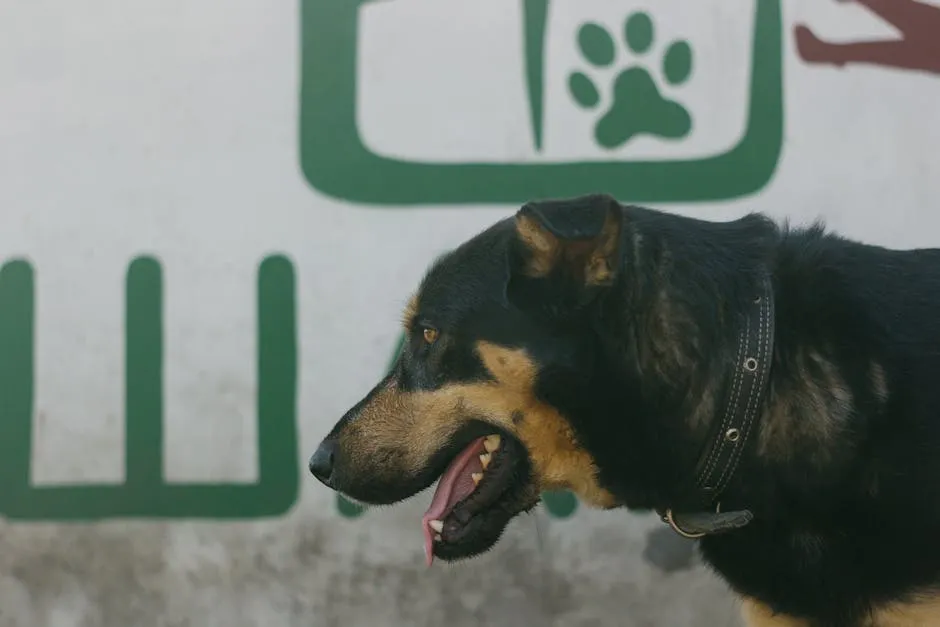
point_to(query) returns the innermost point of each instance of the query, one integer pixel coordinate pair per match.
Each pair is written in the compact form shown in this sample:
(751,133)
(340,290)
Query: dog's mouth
(482,489)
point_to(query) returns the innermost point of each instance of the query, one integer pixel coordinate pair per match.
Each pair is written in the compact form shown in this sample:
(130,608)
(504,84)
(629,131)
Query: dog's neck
(700,369)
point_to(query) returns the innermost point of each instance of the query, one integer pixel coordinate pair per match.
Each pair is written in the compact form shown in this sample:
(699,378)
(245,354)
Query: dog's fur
(598,339)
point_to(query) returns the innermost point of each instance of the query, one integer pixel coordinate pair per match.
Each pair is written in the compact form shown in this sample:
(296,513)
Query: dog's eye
(430,335)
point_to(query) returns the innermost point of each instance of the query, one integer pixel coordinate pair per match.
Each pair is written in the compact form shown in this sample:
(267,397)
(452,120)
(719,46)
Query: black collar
(732,427)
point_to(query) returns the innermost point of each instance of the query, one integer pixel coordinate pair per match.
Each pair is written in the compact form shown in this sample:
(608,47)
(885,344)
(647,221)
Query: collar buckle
(700,524)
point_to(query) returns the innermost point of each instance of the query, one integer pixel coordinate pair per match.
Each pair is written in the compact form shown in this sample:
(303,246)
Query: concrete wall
(213,211)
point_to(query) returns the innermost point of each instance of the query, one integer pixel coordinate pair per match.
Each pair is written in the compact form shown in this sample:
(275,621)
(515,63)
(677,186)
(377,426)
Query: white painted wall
(171,128)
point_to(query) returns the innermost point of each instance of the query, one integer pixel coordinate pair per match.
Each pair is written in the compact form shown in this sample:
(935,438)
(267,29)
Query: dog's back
(849,459)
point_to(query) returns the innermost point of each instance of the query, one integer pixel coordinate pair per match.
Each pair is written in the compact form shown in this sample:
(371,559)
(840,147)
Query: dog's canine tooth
(485,460)
(437,537)
(436,525)
(476,476)
(491,443)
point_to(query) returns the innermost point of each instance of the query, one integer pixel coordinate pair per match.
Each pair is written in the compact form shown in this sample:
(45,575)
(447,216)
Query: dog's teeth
(437,537)
(491,443)
(485,460)
(476,476)
(436,525)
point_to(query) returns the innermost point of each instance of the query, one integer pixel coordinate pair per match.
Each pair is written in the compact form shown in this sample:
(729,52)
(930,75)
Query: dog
(772,391)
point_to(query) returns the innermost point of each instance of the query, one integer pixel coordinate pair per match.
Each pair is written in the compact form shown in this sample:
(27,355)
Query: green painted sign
(336,160)
(145,493)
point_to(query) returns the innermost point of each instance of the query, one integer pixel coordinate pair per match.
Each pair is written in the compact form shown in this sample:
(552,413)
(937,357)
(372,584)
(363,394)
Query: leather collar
(732,427)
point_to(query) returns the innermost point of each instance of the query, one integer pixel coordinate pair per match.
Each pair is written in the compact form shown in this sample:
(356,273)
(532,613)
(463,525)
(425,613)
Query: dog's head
(497,374)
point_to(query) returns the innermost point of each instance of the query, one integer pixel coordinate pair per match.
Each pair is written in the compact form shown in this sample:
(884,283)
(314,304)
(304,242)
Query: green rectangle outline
(335,161)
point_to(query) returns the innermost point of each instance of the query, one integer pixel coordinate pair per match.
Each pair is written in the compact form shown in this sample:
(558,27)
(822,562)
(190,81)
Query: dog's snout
(321,462)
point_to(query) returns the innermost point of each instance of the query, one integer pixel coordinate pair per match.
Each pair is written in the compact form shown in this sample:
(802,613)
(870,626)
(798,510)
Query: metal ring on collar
(669,520)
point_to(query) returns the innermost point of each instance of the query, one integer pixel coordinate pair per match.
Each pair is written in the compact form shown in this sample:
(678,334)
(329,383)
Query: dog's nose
(321,462)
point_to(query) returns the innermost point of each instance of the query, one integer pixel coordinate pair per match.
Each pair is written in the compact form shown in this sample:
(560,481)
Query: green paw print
(636,104)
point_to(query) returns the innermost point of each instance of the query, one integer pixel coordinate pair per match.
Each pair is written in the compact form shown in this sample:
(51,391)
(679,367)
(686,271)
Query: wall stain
(314,570)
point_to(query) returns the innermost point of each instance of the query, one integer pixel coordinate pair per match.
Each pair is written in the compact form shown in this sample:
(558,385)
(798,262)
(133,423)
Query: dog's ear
(576,238)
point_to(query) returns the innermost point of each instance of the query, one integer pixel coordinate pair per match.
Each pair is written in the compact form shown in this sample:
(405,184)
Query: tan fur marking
(637,247)
(543,246)
(671,332)
(598,269)
(398,432)
(918,613)
(879,382)
(913,614)
(591,259)
(703,410)
(411,310)
(559,461)
(757,614)
(807,412)
(668,341)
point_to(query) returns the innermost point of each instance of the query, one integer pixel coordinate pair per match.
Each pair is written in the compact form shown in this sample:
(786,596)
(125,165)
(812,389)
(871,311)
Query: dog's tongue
(455,485)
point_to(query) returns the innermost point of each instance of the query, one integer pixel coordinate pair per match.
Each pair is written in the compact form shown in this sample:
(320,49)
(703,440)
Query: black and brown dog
(774,392)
